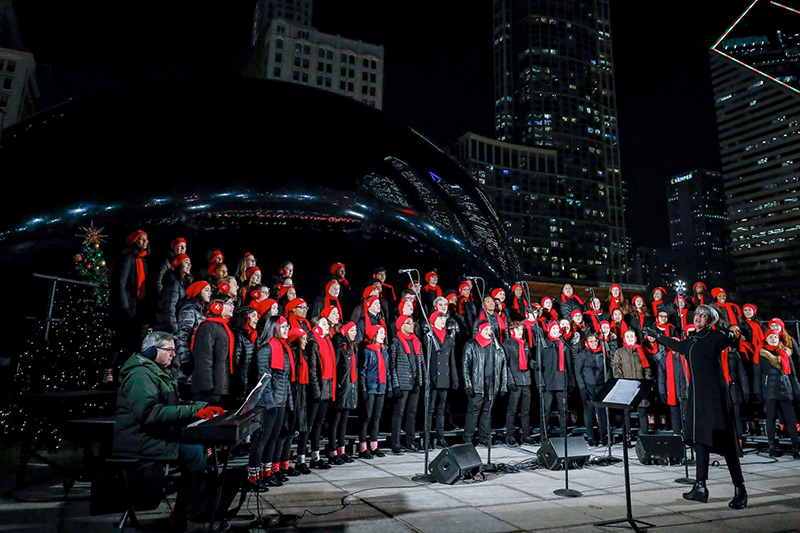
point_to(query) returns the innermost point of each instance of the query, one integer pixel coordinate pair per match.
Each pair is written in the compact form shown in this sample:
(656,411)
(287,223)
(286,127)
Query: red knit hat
(176,262)
(250,271)
(751,306)
(546,298)
(696,283)
(263,306)
(461,287)
(296,333)
(551,324)
(294,303)
(400,321)
(372,301)
(662,289)
(483,327)
(716,291)
(335,267)
(326,313)
(429,275)
(329,285)
(346,328)
(372,331)
(213,255)
(776,321)
(368,292)
(284,290)
(451,295)
(637,297)
(133,236)
(604,322)
(434,316)
(196,288)
(401,305)
(575,312)
(248,255)
(679,298)
(496,292)
(177,241)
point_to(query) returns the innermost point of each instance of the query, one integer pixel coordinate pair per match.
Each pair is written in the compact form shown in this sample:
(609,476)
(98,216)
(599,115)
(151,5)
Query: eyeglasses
(166,349)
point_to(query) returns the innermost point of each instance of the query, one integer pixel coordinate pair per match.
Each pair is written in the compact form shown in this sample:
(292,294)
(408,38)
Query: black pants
(643,424)
(405,414)
(479,413)
(265,439)
(371,417)
(338,429)
(676,416)
(519,401)
(316,417)
(547,405)
(590,411)
(787,415)
(701,452)
(436,411)
(192,466)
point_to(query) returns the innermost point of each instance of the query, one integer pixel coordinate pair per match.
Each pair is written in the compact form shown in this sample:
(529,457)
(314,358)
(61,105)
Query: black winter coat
(174,289)
(707,415)
(771,383)
(320,389)
(299,403)
(590,372)
(474,372)
(739,387)
(678,376)
(406,368)
(565,308)
(548,364)
(212,372)
(515,375)
(123,301)
(245,377)
(346,388)
(443,370)
(276,391)
(190,314)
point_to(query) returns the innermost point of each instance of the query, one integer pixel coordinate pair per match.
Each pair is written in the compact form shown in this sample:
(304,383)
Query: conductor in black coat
(708,417)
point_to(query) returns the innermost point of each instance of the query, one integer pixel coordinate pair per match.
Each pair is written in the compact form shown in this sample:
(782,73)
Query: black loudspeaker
(551,452)
(455,462)
(659,449)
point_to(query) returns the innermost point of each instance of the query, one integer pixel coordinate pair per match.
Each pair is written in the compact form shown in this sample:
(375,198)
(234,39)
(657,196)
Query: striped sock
(252,474)
(266,469)
(340,451)
(276,467)
(285,465)
(373,445)
(362,446)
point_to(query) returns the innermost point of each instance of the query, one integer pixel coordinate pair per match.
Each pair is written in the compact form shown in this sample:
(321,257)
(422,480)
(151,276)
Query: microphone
(587,290)
(473,277)
(405,270)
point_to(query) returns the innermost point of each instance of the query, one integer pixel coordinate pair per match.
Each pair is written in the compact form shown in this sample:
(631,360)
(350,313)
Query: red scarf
(619,331)
(330,301)
(567,334)
(642,356)
(440,334)
(671,390)
(462,304)
(280,348)
(561,363)
(404,340)
(655,305)
(651,349)
(297,322)
(523,357)
(725,368)
(501,322)
(327,358)
(666,328)
(231,342)
(595,322)
(593,350)
(368,322)
(757,337)
(733,310)
(482,342)
(378,349)
(437,289)
(575,296)
(785,365)
(140,292)
(683,314)
(353,364)
(515,303)
(251,333)
(614,304)
(391,289)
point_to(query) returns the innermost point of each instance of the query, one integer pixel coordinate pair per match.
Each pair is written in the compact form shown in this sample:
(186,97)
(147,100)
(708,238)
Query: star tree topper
(92,234)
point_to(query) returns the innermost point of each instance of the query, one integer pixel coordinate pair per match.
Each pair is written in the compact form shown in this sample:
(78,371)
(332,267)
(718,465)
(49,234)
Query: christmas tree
(75,352)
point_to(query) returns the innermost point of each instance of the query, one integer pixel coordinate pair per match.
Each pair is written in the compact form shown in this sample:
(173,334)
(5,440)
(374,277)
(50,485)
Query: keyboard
(225,429)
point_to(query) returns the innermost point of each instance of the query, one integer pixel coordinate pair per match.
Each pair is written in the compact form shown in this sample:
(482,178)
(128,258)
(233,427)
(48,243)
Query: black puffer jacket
(190,314)
(346,387)
(475,358)
(277,392)
(772,383)
(212,371)
(320,389)
(548,364)
(245,377)
(590,372)
(166,312)
(567,306)
(406,368)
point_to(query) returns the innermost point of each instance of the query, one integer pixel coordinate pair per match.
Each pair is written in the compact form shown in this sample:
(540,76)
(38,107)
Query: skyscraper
(697,225)
(286,47)
(554,89)
(18,86)
(755,68)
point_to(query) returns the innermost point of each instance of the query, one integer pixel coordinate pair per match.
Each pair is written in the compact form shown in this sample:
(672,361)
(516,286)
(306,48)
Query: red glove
(210,412)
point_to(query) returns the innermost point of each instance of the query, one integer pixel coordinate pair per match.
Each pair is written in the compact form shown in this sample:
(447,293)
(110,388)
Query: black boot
(795,452)
(699,492)
(739,500)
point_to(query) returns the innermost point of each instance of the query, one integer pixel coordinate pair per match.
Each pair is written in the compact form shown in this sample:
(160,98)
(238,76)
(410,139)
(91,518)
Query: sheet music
(254,396)
(623,392)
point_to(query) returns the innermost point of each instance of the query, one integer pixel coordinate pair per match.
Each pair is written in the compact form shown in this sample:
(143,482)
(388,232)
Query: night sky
(438,68)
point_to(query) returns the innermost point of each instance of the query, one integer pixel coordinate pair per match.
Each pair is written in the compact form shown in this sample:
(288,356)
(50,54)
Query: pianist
(150,416)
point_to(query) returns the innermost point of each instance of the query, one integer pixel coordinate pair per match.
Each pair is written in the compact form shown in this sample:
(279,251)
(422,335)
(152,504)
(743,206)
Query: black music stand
(614,396)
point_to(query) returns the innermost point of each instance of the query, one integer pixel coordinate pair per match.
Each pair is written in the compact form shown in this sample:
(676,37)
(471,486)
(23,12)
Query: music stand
(624,394)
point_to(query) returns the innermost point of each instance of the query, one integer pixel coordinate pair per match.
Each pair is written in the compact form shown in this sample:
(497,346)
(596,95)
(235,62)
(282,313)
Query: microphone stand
(425,476)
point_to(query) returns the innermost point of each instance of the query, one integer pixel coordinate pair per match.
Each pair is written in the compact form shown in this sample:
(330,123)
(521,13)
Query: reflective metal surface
(285,171)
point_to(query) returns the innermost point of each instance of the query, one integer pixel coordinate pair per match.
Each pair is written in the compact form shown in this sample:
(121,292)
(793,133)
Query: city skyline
(438,70)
